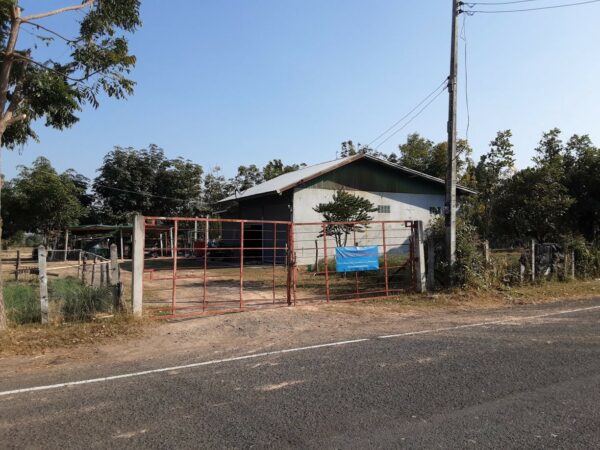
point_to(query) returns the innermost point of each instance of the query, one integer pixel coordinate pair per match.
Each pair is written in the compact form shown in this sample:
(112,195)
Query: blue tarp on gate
(356,259)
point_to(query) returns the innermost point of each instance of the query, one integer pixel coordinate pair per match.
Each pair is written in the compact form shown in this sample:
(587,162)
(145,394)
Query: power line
(407,114)
(471,4)
(502,11)
(411,119)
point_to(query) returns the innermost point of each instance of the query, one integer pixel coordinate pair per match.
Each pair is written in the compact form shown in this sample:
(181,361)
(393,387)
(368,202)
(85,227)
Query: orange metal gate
(202,266)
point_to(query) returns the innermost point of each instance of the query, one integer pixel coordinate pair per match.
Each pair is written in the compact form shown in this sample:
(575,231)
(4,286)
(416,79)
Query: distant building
(399,193)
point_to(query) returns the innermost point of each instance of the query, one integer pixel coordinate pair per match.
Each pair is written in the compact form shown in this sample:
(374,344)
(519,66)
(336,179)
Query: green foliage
(78,302)
(534,204)
(587,257)
(470,269)
(55,92)
(41,200)
(215,187)
(146,182)
(22,303)
(247,177)
(583,167)
(275,168)
(345,207)
(81,302)
(493,168)
(424,156)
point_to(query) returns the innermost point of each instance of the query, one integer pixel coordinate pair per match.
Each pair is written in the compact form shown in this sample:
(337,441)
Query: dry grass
(36,339)
(476,298)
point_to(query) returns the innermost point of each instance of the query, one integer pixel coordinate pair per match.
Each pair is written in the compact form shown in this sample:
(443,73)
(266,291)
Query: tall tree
(276,167)
(215,188)
(247,177)
(493,168)
(421,154)
(416,153)
(54,90)
(147,182)
(582,164)
(40,200)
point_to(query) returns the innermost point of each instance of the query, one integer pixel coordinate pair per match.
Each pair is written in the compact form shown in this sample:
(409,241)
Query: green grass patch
(69,300)
(80,302)
(22,303)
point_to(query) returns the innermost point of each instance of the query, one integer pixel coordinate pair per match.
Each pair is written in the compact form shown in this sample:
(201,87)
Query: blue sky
(230,82)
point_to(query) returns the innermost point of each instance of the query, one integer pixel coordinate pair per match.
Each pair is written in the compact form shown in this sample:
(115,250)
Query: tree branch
(39,64)
(88,3)
(41,27)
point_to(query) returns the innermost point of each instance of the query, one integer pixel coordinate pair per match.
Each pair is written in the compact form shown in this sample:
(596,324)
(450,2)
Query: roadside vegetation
(69,301)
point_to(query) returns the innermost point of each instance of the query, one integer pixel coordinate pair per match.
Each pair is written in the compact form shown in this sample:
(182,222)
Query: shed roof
(290,180)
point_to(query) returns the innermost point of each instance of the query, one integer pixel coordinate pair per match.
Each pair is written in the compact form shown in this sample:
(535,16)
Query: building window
(435,210)
(383,209)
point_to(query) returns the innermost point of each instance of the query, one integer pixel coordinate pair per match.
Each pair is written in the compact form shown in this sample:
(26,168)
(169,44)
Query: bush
(587,258)
(470,268)
(22,303)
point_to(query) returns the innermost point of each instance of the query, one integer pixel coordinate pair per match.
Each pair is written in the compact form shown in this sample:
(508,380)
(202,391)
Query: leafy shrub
(587,258)
(470,267)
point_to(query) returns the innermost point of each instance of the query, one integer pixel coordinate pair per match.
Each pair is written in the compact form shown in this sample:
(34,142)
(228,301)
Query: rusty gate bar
(274,257)
(325,261)
(242,265)
(290,261)
(204,284)
(385,264)
(174,254)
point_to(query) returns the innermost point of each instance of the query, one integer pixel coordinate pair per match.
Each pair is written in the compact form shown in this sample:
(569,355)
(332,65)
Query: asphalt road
(528,383)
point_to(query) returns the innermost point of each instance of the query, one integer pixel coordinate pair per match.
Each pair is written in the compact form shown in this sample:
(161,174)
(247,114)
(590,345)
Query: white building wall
(402,207)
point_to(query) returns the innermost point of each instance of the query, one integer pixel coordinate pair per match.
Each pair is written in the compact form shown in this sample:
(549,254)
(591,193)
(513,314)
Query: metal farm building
(399,193)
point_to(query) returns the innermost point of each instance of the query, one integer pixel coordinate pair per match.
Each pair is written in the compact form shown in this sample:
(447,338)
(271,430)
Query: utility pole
(450,207)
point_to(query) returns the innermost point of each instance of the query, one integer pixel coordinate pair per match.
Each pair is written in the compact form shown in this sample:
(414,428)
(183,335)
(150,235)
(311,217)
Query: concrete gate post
(137,264)
(420,271)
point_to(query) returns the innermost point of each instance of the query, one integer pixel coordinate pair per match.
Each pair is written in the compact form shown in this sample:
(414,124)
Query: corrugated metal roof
(292,179)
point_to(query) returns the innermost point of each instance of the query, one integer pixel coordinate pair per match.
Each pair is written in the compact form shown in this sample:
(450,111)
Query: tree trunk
(4,83)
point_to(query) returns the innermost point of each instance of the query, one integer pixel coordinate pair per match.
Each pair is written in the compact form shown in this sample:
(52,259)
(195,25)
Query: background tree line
(39,199)
(558,195)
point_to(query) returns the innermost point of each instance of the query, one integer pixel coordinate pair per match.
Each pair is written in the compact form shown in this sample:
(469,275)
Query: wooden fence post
(420,256)
(17,265)
(84,269)
(532,260)
(573,264)
(486,251)
(79,262)
(430,264)
(93,271)
(102,273)
(43,283)
(565,262)
(66,243)
(137,264)
(115,282)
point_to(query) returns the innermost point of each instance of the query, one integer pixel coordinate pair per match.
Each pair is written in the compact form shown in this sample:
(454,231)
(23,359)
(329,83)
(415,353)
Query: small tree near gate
(345,207)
